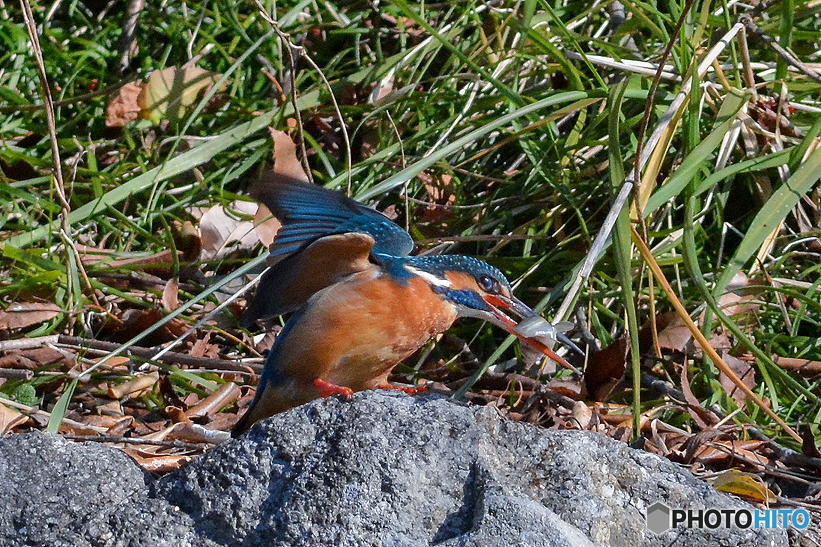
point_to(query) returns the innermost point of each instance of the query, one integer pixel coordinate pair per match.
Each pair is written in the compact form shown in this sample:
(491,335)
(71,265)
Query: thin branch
(293,48)
(702,340)
(132,440)
(151,354)
(783,53)
(57,166)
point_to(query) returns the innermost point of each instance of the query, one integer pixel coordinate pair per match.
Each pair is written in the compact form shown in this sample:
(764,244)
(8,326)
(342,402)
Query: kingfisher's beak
(500,304)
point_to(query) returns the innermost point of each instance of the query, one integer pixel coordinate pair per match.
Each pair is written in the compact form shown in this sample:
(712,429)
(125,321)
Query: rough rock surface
(382,469)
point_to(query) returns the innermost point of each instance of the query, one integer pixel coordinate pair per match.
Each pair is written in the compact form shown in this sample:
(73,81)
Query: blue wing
(308,212)
(325,236)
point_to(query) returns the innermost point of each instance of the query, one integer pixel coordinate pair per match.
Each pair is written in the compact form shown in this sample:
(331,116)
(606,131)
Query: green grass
(532,140)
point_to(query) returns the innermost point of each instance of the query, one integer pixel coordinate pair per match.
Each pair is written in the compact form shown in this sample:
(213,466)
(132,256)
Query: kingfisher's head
(477,289)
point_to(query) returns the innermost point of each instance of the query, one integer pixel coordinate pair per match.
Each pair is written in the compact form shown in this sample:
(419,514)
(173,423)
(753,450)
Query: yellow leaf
(744,484)
(168,93)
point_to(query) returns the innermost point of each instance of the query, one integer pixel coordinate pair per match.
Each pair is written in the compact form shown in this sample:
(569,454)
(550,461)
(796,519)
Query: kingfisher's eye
(487,283)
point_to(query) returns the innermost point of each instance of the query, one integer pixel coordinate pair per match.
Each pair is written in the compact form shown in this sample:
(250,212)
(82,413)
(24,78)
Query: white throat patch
(429,277)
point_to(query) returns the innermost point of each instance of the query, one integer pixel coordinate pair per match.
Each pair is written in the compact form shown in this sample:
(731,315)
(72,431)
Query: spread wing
(325,236)
(308,212)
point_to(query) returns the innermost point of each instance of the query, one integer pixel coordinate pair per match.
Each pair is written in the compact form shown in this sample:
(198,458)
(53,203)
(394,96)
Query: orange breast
(354,332)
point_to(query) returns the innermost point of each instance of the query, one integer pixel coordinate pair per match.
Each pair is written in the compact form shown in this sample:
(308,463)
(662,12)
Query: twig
(59,185)
(293,48)
(128,39)
(801,366)
(783,53)
(152,354)
(131,440)
(702,340)
(28,343)
(16,374)
(30,410)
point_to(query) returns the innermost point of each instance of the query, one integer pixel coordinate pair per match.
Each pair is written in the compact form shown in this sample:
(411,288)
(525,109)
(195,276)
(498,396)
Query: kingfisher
(360,302)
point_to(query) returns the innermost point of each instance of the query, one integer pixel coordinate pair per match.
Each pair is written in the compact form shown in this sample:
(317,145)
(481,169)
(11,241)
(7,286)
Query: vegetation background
(501,129)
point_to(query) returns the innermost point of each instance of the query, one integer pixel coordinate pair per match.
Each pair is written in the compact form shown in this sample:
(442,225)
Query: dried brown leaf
(723,452)
(673,334)
(266,225)
(157,463)
(744,371)
(286,163)
(9,419)
(226,394)
(195,433)
(170,295)
(605,369)
(703,417)
(133,387)
(134,321)
(176,414)
(20,315)
(582,414)
(123,106)
(204,348)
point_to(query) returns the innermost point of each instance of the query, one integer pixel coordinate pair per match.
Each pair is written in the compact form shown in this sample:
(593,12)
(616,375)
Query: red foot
(408,390)
(329,389)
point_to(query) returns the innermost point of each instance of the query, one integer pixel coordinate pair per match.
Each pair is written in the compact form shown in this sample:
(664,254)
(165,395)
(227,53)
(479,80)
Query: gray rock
(382,469)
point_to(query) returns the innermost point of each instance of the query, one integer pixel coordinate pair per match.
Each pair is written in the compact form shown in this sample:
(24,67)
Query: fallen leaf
(169,93)
(224,421)
(221,232)
(286,163)
(222,397)
(123,107)
(20,315)
(17,361)
(568,387)
(95,255)
(382,89)
(157,463)
(738,302)
(9,419)
(582,414)
(170,295)
(723,452)
(106,422)
(744,371)
(176,414)
(187,240)
(804,367)
(204,348)
(808,442)
(673,334)
(134,386)
(605,369)
(189,432)
(111,408)
(195,433)
(134,321)
(703,417)
(266,225)
(441,196)
(744,484)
